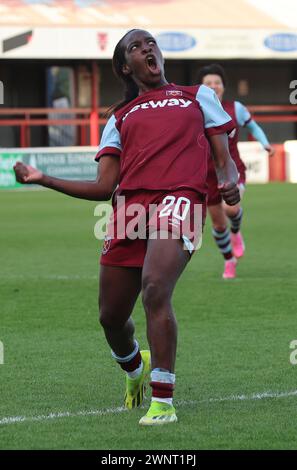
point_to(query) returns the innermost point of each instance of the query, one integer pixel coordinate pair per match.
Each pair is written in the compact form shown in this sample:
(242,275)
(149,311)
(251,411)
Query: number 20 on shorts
(170,201)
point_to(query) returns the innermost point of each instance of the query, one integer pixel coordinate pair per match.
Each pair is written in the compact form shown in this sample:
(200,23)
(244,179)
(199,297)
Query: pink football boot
(238,246)
(230,269)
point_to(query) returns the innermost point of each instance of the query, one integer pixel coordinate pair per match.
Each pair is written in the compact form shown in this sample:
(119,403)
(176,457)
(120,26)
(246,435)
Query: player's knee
(155,293)
(110,319)
(219,227)
(106,319)
(105,315)
(232,211)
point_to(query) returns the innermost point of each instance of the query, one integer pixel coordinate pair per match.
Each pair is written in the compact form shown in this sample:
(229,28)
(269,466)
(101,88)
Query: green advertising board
(75,163)
(7,178)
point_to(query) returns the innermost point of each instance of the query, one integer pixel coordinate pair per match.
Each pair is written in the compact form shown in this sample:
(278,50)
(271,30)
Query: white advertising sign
(291,160)
(256,160)
(192,43)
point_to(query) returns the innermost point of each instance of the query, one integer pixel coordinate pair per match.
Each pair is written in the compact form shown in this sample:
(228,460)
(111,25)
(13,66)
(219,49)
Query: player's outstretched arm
(100,189)
(258,133)
(226,169)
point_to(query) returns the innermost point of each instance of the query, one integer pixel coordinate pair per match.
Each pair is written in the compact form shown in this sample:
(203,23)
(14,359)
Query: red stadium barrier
(274,113)
(277,164)
(88,120)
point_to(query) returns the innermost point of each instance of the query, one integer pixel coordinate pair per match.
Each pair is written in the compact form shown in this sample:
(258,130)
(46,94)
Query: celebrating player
(230,243)
(154,150)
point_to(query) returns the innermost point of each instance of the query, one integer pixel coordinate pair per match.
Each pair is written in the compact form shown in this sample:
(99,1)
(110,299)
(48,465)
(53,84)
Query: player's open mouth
(151,62)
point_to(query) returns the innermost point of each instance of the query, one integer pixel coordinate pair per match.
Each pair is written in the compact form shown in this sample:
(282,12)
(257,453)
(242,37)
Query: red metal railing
(274,113)
(25,118)
(89,119)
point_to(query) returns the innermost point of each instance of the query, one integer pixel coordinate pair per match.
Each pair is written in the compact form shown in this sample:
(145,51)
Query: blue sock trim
(126,358)
(159,375)
(223,234)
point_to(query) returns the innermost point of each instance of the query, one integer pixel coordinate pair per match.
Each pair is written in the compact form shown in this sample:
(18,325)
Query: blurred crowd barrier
(78,163)
(62,162)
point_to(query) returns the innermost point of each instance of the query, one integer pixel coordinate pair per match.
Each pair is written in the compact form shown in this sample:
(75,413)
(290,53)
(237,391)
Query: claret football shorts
(139,215)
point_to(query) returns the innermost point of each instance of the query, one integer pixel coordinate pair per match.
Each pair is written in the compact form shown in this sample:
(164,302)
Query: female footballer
(229,242)
(153,152)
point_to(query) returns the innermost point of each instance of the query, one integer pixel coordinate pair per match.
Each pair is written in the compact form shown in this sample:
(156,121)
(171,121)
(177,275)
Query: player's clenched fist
(26,174)
(230,193)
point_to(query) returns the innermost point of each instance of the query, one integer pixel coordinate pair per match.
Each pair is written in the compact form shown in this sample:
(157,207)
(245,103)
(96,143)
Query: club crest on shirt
(174,93)
(106,244)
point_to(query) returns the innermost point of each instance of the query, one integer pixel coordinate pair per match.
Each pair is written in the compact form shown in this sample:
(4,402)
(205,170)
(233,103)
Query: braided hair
(131,90)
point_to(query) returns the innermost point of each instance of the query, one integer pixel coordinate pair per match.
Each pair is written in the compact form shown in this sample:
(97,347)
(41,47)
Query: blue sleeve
(214,114)
(257,132)
(110,143)
(111,136)
(242,114)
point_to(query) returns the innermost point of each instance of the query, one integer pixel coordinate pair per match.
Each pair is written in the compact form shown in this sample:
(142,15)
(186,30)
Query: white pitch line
(48,277)
(254,396)
(65,414)
(121,409)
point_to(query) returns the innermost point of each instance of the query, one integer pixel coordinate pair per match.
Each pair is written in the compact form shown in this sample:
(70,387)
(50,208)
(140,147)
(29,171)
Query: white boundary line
(121,409)
(65,414)
(79,277)
(48,277)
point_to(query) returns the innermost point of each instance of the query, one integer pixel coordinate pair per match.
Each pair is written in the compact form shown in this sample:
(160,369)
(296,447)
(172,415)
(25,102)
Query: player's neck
(145,87)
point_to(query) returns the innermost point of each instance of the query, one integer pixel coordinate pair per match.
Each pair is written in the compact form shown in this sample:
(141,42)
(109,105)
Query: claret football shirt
(161,137)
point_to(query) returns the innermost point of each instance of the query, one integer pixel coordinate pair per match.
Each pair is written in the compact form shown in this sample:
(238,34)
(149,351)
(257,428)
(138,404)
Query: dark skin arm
(226,169)
(100,189)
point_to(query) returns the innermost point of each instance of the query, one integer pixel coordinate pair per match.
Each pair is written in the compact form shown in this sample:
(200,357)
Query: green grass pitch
(58,379)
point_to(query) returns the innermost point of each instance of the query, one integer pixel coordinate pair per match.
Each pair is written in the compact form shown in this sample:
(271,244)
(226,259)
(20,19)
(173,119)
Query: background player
(152,133)
(229,242)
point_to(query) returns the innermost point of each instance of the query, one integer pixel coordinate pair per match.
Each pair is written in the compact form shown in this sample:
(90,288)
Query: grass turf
(234,336)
